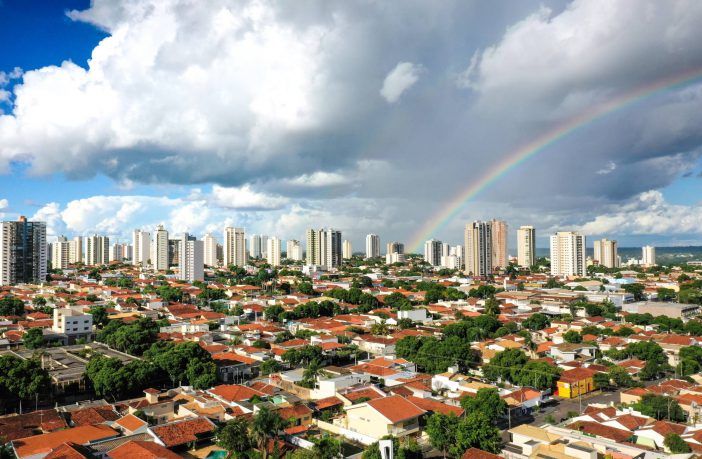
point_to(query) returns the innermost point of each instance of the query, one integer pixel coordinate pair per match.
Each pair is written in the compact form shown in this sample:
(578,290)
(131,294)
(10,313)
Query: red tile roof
(142,450)
(68,451)
(235,392)
(395,408)
(435,406)
(47,442)
(181,432)
(131,422)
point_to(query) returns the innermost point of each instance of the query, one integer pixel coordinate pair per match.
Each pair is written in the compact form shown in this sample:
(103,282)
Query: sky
(366,116)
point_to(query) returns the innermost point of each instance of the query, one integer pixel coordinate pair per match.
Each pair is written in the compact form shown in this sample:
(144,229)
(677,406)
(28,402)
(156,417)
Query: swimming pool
(217,455)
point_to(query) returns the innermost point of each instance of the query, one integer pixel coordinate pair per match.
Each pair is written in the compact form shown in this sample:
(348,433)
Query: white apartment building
(273,251)
(458,252)
(97,250)
(330,248)
(372,246)
(648,256)
(478,248)
(159,257)
(192,260)
(141,243)
(255,249)
(450,262)
(293,250)
(394,257)
(60,253)
(432,252)
(74,323)
(312,254)
(210,250)
(568,254)
(605,253)
(346,250)
(116,252)
(526,246)
(235,247)
(75,250)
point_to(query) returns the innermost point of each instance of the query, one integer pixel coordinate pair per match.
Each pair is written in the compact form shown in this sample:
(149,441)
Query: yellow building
(576,382)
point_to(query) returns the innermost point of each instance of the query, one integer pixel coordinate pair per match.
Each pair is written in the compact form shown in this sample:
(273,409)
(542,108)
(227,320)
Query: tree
(265,424)
(270,366)
(571,336)
(22,378)
(326,447)
(34,338)
(234,437)
(11,306)
(621,377)
(505,365)
(99,314)
(601,380)
(380,328)
(536,322)
(184,362)
(477,431)
(648,351)
(539,375)
(492,307)
(676,444)
(441,429)
(486,401)
(305,288)
(635,289)
(666,294)
(660,407)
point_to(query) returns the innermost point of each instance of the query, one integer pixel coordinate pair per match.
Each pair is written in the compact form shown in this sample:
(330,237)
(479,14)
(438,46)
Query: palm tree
(266,424)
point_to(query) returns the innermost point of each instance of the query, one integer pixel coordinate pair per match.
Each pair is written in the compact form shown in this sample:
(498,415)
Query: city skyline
(192,166)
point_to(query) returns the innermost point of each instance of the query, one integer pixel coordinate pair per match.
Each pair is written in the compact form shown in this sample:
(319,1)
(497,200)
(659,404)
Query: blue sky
(337,113)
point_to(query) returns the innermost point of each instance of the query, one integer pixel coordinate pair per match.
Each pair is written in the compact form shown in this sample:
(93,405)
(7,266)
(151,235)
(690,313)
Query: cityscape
(255,229)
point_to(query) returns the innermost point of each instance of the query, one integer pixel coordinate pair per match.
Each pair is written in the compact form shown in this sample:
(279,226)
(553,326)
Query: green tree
(99,314)
(477,431)
(635,289)
(234,437)
(571,336)
(34,338)
(486,401)
(660,407)
(492,307)
(537,374)
(11,306)
(441,429)
(266,424)
(536,322)
(666,294)
(505,365)
(22,378)
(676,444)
(270,366)
(621,377)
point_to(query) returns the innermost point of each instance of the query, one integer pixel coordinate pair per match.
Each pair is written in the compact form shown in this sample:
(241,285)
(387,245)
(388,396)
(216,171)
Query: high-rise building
(330,248)
(450,262)
(346,250)
(192,259)
(568,254)
(255,249)
(141,246)
(97,250)
(498,229)
(116,252)
(372,246)
(458,252)
(526,246)
(210,250)
(605,253)
(479,254)
(60,253)
(432,252)
(445,249)
(313,252)
(264,246)
(648,256)
(75,250)
(23,252)
(273,251)
(235,247)
(293,250)
(174,251)
(395,247)
(159,258)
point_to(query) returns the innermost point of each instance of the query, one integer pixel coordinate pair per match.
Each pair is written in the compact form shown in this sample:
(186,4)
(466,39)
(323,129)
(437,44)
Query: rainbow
(517,157)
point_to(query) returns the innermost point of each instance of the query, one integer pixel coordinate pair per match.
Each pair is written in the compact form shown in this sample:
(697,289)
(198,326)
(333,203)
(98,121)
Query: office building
(568,254)
(605,253)
(75,250)
(141,246)
(235,247)
(192,259)
(648,256)
(273,251)
(526,246)
(498,230)
(97,250)
(372,246)
(159,258)
(60,253)
(346,250)
(479,254)
(312,254)
(432,252)
(210,250)
(293,250)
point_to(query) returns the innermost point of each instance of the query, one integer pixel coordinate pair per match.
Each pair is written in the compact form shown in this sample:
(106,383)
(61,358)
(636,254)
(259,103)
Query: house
(383,416)
(39,446)
(183,432)
(142,450)
(572,352)
(576,382)
(131,424)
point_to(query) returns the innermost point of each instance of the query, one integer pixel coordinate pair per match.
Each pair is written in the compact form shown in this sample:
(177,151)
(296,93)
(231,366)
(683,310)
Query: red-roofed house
(377,418)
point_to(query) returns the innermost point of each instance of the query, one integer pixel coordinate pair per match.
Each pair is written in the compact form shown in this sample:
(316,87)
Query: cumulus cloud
(608,169)
(399,80)
(4,204)
(245,198)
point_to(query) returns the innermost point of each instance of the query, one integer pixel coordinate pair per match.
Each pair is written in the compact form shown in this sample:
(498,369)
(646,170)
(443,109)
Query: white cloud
(648,213)
(245,198)
(610,167)
(320,179)
(399,80)
(4,204)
